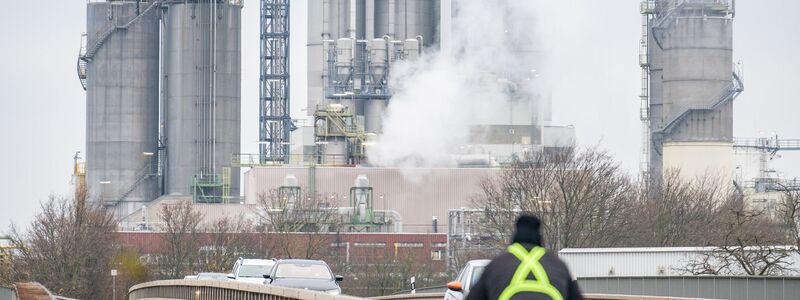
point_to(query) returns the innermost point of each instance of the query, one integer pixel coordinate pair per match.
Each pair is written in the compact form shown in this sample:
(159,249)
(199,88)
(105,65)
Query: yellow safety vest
(529,263)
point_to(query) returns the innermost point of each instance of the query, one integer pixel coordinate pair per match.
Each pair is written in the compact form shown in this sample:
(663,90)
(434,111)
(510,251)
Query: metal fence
(708,287)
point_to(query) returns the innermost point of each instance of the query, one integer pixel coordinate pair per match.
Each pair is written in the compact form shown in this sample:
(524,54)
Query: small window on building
(438,245)
(437,254)
(408,245)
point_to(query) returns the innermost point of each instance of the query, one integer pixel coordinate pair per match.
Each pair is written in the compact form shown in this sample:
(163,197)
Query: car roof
(479,262)
(259,262)
(211,274)
(303,261)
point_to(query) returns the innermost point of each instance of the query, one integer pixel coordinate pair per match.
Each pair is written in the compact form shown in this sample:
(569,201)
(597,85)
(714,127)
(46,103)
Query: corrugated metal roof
(655,261)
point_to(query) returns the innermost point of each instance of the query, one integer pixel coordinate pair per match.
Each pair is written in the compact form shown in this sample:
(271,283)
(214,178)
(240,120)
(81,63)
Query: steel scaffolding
(275,121)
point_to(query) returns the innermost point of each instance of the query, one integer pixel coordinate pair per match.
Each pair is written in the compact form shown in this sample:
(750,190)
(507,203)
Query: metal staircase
(726,95)
(82,63)
(86,54)
(343,126)
(144,173)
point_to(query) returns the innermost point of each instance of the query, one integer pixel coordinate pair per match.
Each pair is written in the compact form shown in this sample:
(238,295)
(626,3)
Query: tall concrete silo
(688,97)
(119,70)
(202,80)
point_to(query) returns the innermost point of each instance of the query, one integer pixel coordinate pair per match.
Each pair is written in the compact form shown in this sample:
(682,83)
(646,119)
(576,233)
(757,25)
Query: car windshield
(254,270)
(476,274)
(298,270)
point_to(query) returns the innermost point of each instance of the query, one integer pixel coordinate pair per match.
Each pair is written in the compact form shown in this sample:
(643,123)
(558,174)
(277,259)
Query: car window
(254,270)
(461,275)
(310,271)
(476,275)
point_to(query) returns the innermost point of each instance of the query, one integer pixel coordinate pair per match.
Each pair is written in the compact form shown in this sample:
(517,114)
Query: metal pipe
(351,25)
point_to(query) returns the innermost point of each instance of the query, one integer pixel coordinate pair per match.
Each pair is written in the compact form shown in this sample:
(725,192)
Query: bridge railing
(214,290)
(231,290)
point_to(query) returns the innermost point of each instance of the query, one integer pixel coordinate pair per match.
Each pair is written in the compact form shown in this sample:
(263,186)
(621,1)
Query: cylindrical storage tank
(698,58)
(700,159)
(338,18)
(406,19)
(122,104)
(411,49)
(378,57)
(344,59)
(202,62)
(383,23)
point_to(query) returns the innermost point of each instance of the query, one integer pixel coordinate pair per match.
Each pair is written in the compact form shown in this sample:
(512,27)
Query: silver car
(469,275)
(251,270)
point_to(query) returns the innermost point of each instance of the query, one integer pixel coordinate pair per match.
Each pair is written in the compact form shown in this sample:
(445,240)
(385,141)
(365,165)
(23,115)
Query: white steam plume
(437,97)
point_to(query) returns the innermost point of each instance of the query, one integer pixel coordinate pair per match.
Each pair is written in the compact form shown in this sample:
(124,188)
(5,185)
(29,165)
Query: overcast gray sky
(42,116)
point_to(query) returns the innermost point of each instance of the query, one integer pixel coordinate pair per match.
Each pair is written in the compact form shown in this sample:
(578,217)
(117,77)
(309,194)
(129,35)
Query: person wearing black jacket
(526,270)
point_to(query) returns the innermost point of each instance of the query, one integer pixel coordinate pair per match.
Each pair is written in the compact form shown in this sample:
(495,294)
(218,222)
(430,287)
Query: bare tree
(131,270)
(789,210)
(382,272)
(180,243)
(371,275)
(582,196)
(297,223)
(745,242)
(228,239)
(677,212)
(68,248)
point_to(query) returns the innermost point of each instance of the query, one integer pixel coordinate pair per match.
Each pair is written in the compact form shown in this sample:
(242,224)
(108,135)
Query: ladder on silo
(86,54)
(647,9)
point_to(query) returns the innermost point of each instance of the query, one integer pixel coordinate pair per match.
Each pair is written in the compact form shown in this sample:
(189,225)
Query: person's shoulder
(500,261)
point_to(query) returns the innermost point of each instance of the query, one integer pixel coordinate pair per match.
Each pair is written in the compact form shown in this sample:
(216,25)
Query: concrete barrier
(231,290)
(213,290)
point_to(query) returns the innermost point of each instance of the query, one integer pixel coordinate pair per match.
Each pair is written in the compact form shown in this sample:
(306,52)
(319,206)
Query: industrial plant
(162,81)
(163,92)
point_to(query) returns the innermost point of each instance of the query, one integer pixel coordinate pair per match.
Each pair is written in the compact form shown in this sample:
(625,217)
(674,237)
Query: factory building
(352,49)
(162,81)
(352,46)
(689,82)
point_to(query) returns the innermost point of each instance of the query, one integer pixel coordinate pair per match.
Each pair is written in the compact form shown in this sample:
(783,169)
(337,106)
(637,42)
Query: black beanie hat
(528,230)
